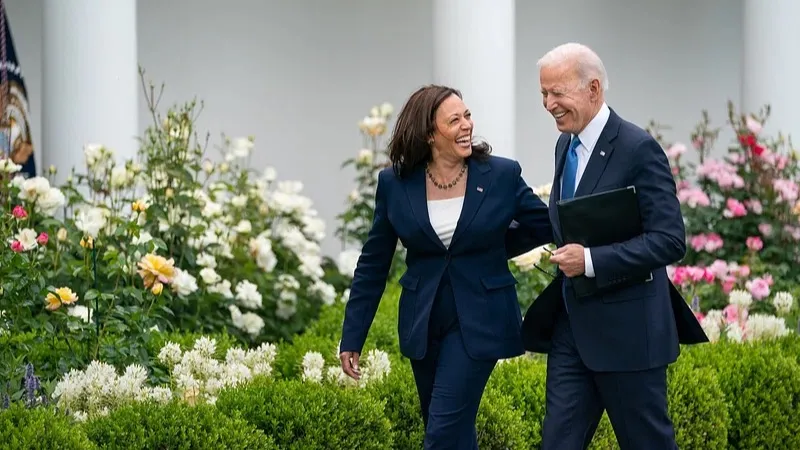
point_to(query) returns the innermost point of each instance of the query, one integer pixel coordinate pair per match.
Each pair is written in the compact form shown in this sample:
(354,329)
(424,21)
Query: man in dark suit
(610,350)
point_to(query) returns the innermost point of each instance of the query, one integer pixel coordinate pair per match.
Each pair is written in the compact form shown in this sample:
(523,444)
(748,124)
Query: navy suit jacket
(476,262)
(630,327)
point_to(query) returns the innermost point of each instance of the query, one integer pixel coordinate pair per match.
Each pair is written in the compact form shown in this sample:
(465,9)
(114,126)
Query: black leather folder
(599,219)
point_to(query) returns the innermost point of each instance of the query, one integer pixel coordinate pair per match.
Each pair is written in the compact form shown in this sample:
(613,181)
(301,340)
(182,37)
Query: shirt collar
(591,133)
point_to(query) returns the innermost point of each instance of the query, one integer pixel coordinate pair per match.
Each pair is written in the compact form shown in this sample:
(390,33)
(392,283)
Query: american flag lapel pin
(480,189)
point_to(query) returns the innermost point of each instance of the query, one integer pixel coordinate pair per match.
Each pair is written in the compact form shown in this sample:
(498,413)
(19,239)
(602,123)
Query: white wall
(299,75)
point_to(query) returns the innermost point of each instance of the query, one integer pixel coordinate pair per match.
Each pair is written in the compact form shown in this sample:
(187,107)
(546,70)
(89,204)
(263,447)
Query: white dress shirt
(588,138)
(444,215)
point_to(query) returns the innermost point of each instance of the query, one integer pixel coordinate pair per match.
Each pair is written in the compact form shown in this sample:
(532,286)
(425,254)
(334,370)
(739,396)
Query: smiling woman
(450,203)
(434,124)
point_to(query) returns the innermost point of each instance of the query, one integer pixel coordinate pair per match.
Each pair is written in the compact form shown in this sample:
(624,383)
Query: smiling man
(608,350)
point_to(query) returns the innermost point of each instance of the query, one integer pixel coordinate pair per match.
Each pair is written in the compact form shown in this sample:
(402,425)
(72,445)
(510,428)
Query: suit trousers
(450,384)
(576,397)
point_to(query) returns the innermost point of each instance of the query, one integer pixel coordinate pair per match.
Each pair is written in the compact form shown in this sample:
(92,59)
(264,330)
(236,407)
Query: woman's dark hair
(408,146)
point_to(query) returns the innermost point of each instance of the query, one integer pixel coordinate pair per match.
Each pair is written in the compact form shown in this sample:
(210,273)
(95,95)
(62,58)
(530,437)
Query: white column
(474,52)
(771,64)
(90,81)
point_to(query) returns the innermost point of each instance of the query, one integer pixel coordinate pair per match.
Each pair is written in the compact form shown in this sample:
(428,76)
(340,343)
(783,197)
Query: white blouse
(444,215)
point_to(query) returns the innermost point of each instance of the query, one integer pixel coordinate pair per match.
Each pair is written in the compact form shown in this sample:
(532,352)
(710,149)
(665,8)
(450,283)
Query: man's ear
(594,88)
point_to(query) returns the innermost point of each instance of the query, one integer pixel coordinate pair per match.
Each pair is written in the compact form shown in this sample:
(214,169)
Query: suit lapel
(600,156)
(415,188)
(595,167)
(561,154)
(555,190)
(479,182)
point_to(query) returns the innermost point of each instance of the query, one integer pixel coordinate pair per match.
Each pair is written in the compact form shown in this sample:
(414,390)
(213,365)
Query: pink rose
(734,208)
(732,314)
(683,275)
(754,243)
(765,229)
(753,125)
(19,212)
(713,242)
(676,150)
(792,231)
(781,162)
(787,190)
(744,271)
(758,287)
(42,238)
(754,206)
(728,284)
(721,173)
(698,242)
(693,197)
(719,268)
(17,246)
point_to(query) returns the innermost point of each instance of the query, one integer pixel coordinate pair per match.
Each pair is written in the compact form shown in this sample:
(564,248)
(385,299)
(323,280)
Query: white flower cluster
(198,376)
(376,122)
(250,323)
(222,222)
(526,261)
(347,262)
(783,302)
(98,389)
(740,298)
(36,191)
(543,192)
(375,367)
(287,286)
(763,327)
(737,325)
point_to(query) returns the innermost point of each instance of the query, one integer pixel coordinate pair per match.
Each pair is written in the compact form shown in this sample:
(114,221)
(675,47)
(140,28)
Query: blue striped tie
(568,190)
(570,170)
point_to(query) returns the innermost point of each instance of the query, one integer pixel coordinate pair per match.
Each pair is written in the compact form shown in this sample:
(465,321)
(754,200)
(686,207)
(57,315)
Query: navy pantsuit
(610,351)
(458,307)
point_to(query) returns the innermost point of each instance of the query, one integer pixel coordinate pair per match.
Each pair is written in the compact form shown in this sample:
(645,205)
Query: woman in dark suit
(450,203)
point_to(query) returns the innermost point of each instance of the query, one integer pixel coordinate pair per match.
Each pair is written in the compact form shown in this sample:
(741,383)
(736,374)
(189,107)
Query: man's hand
(570,259)
(350,364)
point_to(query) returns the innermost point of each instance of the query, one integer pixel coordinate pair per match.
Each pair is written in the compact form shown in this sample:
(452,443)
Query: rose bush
(356,220)
(175,238)
(742,220)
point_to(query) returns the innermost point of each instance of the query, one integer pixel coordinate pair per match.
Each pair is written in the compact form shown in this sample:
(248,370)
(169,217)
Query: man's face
(563,97)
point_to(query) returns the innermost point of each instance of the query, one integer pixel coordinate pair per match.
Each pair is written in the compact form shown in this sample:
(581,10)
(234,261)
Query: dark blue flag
(15,130)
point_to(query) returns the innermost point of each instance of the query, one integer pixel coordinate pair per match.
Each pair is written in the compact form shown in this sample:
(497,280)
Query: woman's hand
(350,364)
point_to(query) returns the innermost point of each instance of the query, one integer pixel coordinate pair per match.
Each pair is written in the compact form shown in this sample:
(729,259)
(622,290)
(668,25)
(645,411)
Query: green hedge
(147,426)
(722,395)
(22,428)
(309,416)
(761,390)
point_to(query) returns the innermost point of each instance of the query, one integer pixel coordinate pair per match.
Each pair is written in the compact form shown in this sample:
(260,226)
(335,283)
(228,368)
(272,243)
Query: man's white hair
(589,65)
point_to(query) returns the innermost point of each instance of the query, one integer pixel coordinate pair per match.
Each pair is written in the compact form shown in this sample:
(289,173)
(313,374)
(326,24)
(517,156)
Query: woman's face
(452,135)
